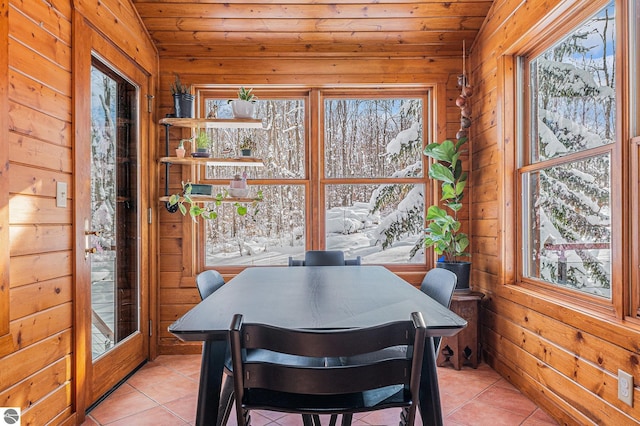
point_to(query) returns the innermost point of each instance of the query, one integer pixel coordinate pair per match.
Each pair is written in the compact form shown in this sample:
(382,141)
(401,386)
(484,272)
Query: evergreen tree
(575,112)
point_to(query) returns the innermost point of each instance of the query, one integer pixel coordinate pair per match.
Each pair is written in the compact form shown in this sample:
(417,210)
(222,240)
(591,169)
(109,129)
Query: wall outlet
(625,387)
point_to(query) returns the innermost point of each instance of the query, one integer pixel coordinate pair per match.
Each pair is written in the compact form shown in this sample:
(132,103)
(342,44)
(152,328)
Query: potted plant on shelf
(203,143)
(180,151)
(179,202)
(247,146)
(443,229)
(185,203)
(244,106)
(182,99)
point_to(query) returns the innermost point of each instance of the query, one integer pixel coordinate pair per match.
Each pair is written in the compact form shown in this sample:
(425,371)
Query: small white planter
(242,109)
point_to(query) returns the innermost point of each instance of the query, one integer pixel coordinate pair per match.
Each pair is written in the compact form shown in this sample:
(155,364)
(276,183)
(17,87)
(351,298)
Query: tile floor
(164,393)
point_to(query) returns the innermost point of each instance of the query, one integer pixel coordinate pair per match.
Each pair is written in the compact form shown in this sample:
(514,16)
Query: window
(365,185)
(373,179)
(566,158)
(274,229)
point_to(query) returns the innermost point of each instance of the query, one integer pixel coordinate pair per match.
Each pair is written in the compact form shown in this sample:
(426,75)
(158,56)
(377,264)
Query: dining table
(312,297)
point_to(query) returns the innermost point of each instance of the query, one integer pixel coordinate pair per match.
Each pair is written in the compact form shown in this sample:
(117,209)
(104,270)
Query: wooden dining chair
(345,389)
(348,262)
(439,284)
(324,258)
(353,262)
(207,282)
(295,262)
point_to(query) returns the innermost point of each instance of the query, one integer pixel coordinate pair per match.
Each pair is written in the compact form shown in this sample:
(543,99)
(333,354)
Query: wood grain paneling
(121,25)
(280,29)
(39,154)
(36,386)
(36,237)
(36,297)
(561,353)
(5,337)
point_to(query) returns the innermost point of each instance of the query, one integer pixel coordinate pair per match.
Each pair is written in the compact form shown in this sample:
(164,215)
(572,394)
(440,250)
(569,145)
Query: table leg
(430,408)
(213,353)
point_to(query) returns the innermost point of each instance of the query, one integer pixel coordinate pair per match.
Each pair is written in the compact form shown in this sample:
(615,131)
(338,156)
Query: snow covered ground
(351,230)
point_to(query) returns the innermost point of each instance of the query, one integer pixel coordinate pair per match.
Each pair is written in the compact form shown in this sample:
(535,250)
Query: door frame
(89,383)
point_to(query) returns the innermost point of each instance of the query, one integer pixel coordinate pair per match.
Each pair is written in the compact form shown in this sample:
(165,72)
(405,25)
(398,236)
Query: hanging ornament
(461,101)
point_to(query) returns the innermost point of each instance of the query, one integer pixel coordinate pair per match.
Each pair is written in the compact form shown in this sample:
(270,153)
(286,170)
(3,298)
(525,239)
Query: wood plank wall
(37,372)
(177,291)
(566,361)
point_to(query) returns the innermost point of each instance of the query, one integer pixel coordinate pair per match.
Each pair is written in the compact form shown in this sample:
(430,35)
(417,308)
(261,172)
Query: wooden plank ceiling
(312,28)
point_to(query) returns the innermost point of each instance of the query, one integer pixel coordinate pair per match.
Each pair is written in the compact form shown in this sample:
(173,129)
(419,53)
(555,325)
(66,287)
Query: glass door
(111,273)
(113,228)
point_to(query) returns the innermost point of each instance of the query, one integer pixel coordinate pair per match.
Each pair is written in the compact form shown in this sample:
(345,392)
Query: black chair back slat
(327,343)
(342,388)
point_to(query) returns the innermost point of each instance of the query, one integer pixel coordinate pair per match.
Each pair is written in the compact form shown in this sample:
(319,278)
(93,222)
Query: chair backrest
(208,281)
(324,258)
(356,261)
(327,389)
(349,262)
(439,284)
(295,262)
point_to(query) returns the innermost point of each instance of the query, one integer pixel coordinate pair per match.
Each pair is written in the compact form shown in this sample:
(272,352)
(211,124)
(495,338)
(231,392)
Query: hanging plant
(185,203)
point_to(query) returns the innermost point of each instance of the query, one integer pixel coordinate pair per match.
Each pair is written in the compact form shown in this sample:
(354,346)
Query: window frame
(514,68)
(314,181)
(226,92)
(425,94)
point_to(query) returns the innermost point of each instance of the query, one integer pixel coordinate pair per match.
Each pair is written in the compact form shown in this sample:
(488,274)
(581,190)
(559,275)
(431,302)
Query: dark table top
(314,297)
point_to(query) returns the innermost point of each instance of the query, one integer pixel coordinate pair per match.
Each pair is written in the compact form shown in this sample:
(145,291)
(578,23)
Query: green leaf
(242,210)
(448,192)
(173,200)
(439,172)
(183,209)
(455,206)
(440,151)
(435,212)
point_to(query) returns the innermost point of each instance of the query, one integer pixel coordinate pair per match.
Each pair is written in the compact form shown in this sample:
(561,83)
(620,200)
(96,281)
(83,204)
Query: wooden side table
(462,349)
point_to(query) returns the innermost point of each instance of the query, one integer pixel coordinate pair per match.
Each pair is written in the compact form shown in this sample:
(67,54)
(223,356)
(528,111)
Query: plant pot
(462,271)
(245,152)
(180,152)
(183,104)
(201,153)
(242,109)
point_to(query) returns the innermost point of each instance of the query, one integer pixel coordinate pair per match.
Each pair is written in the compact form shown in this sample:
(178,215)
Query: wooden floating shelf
(236,161)
(212,199)
(214,123)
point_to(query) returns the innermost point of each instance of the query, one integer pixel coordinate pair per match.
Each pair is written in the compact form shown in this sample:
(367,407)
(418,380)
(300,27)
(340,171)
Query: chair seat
(387,397)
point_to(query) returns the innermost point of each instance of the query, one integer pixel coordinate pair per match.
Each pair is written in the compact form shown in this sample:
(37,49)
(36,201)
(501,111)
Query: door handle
(88,249)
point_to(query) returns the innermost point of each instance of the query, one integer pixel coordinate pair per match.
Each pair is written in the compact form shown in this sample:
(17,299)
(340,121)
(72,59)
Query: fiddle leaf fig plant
(443,227)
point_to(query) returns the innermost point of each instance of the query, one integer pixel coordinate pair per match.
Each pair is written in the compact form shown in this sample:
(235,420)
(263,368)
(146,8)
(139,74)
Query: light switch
(61,194)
